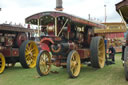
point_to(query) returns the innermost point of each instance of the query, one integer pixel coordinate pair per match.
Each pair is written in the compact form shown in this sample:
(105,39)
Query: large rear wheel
(126,63)
(43,63)
(73,64)
(2,63)
(28,54)
(97,52)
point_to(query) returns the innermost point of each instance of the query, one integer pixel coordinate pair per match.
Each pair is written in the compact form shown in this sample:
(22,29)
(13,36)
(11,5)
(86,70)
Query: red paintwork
(84,53)
(57,61)
(44,47)
(6,52)
(58,14)
(115,35)
(15,52)
(45,42)
(9,52)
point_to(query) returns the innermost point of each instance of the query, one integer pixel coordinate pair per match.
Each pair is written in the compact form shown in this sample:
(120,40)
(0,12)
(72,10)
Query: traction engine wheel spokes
(126,63)
(43,63)
(2,63)
(28,54)
(21,37)
(97,51)
(101,53)
(73,64)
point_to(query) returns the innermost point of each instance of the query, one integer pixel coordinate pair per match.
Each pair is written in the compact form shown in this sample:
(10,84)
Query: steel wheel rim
(45,63)
(126,63)
(75,64)
(101,53)
(2,63)
(126,69)
(31,53)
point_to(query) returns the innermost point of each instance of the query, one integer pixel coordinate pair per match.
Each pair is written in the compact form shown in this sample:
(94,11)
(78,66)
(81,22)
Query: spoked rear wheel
(97,52)
(2,63)
(73,64)
(43,63)
(28,54)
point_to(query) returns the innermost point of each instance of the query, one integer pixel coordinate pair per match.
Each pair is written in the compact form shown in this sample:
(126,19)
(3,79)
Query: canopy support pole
(55,26)
(63,27)
(38,22)
(122,18)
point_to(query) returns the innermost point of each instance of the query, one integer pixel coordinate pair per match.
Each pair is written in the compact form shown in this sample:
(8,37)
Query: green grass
(109,75)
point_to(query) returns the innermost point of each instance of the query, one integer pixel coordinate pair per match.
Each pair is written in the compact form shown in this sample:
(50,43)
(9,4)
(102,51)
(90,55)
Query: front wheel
(43,63)
(73,64)
(2,63)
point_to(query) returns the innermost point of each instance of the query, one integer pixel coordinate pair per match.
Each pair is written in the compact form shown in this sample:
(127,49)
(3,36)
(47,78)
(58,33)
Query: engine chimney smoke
(59,5)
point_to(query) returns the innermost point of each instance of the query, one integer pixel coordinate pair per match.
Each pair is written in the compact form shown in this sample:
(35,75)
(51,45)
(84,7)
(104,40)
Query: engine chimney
(59,5)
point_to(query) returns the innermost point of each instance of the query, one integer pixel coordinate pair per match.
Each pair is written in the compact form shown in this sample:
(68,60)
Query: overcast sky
(17,10)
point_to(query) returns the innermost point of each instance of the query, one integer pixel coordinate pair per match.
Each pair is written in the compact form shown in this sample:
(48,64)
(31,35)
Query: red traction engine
(15,46)
(67,41)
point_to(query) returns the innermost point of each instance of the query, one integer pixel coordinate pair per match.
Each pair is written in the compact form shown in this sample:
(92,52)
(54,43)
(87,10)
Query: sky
(16,11)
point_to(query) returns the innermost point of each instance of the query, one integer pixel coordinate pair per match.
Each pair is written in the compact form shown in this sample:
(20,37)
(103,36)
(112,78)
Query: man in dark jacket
(112,53)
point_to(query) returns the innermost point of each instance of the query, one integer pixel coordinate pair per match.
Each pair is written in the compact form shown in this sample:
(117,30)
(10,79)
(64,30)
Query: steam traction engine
(67,41)
(122,9)
(15,47)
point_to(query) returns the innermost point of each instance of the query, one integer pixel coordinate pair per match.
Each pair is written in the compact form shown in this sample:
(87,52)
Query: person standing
(105,42)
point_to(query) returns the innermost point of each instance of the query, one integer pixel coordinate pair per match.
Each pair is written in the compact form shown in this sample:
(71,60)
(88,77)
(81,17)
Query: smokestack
(59,5)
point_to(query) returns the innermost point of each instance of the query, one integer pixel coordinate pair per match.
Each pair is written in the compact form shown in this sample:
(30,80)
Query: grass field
(109,75)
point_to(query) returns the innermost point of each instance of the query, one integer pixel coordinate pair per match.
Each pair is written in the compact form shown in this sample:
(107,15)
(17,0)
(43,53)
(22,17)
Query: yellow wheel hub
(31,54)
(101,53)
(2,63)
(45,63)
(75,64)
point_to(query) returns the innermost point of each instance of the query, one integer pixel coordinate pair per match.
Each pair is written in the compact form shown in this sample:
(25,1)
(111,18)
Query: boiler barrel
(61,48)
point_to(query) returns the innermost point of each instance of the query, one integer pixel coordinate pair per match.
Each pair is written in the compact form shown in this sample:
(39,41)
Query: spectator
(43,31)
(105,42)
(112,53)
